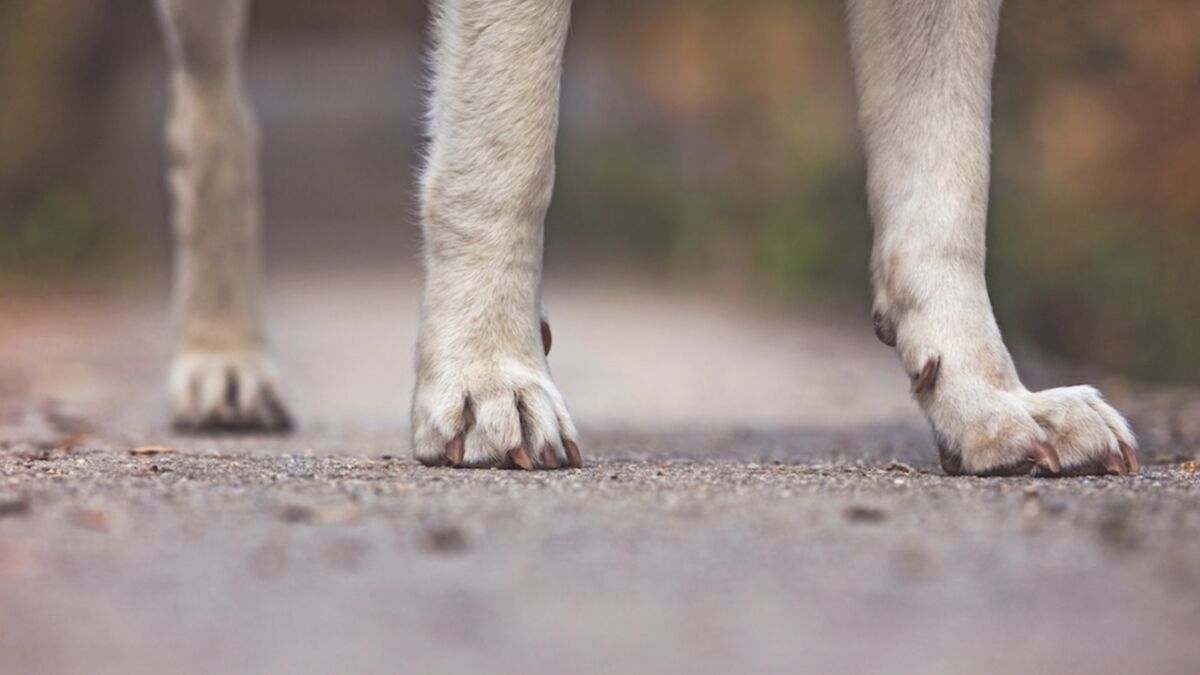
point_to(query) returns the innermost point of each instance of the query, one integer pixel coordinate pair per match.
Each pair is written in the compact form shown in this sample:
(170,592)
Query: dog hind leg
(923,70)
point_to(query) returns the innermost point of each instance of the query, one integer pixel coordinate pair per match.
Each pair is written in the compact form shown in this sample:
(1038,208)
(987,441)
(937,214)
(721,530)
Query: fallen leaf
(96,520)
(152,450)
(17,561)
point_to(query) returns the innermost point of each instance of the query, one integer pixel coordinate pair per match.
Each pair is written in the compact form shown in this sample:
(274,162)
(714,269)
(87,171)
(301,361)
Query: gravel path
(776,510)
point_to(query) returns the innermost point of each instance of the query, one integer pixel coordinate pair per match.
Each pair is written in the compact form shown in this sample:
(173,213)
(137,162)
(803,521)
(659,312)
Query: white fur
(220,376)
(923,70)
(481,370)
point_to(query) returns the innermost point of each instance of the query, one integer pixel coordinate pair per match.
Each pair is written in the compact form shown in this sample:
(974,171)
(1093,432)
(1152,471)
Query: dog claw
(928,376)
(1044,456)
(574,459)
(883,330)
(1130,458)
(546,337)
(549,457)
(520,457)
(455,450)
(1115,464)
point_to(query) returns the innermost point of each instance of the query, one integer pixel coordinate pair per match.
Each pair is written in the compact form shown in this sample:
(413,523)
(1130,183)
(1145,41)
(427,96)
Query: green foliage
(63,226)
(719,140)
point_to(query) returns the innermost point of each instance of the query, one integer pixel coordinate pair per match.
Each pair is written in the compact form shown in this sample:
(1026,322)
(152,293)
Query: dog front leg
(221,377)
(484,395)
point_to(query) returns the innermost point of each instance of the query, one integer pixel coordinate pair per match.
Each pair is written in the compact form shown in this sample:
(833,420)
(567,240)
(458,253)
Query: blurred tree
(750,148)
(717,137)
(1096,203)
(55,63)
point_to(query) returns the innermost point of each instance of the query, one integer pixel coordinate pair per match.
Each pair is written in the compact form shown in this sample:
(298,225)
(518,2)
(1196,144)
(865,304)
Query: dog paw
(1087,434)
(500,411)
(226,391)
(499,415)
(985,431)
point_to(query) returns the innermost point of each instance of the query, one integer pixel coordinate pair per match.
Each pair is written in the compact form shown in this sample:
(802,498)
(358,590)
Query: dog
(484,395)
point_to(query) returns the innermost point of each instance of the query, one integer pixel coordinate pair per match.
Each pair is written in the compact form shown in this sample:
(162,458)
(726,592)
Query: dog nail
(1114,463)
(521,458)
(455,450)
(883,330)
(1044,456)
(1130,457)
(574,459)
(549,457)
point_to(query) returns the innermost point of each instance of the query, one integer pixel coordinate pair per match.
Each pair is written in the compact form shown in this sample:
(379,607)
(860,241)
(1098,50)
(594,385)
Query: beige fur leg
(484,395)
(221,377)
(923,70)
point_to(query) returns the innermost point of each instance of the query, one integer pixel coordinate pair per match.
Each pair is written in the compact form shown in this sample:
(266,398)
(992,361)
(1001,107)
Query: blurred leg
(923,69)
(484,395)
(220,376)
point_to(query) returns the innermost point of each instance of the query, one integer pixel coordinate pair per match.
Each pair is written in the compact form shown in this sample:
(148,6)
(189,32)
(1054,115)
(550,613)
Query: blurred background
(703,143)
(758,472)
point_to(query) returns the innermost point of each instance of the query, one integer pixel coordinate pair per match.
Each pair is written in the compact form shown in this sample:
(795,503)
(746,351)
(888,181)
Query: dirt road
(760,496)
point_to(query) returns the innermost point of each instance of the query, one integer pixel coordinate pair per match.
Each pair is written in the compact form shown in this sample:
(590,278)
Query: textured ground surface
(741,511)
(760,495)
